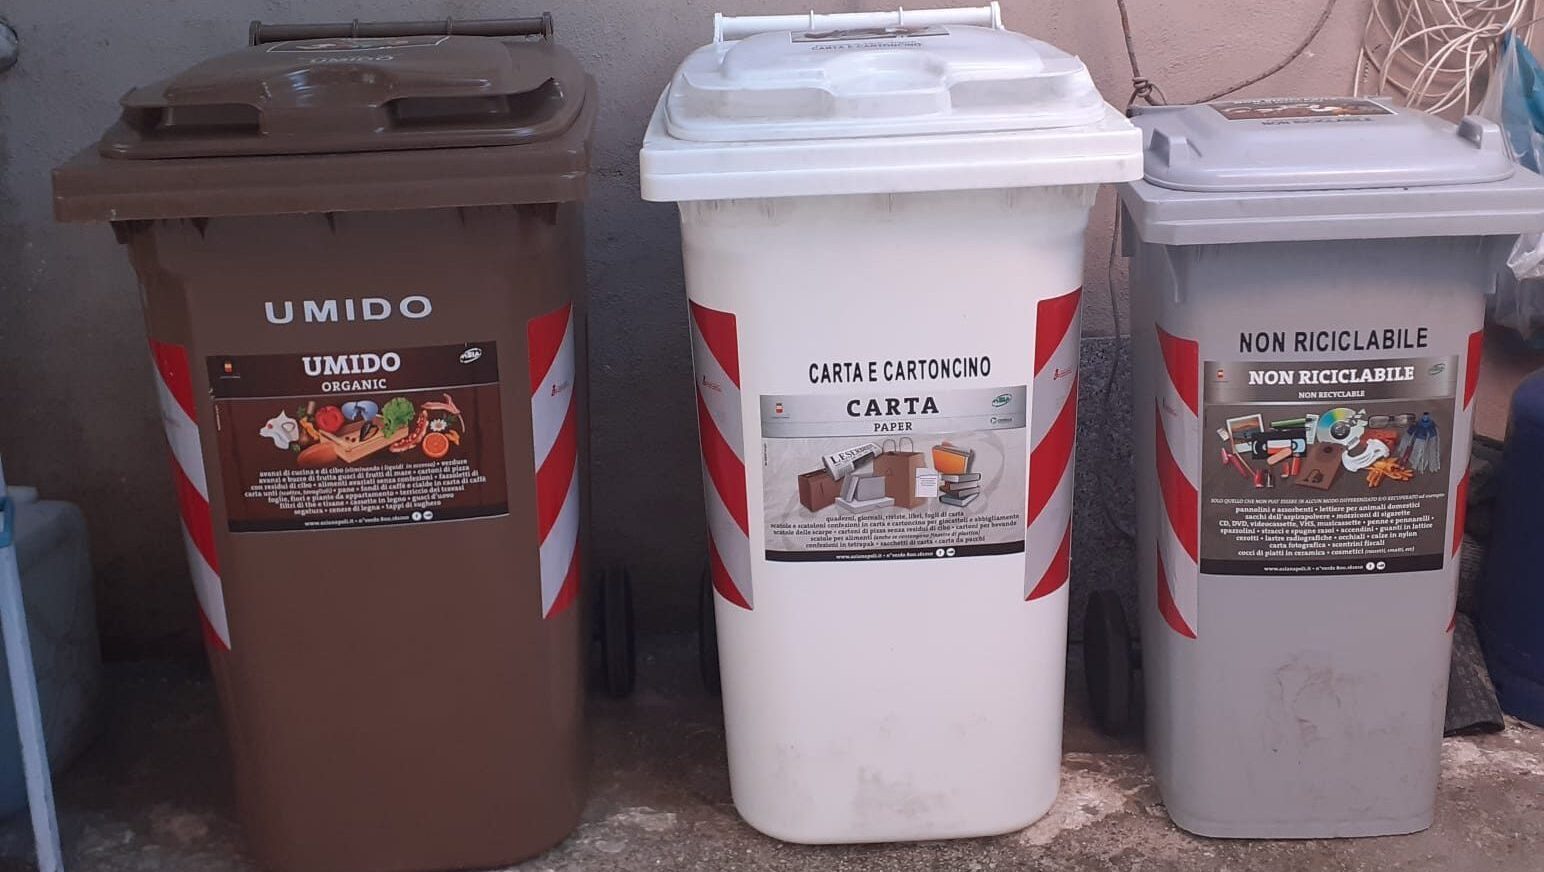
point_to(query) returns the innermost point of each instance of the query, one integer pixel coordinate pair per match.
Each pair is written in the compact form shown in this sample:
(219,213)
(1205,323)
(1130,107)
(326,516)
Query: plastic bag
(1514,99)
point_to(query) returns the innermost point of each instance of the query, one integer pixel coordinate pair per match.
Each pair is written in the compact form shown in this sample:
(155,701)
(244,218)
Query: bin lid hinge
(263,34)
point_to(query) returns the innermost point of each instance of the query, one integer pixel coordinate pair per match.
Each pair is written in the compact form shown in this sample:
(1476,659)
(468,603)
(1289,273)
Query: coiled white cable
(1436,54)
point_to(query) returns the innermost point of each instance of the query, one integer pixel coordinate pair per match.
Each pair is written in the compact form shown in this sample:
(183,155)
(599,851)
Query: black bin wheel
(1109,667)
(707,635)
(614,632)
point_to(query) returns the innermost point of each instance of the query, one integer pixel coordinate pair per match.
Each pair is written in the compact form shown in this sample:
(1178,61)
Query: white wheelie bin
(883,219)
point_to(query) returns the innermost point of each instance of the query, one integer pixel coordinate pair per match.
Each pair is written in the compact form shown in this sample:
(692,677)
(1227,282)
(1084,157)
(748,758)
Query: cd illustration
(1341,425)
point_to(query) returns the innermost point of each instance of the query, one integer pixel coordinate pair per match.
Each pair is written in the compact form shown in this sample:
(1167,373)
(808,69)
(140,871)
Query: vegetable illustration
(396,414)
(308,434)
(329,418)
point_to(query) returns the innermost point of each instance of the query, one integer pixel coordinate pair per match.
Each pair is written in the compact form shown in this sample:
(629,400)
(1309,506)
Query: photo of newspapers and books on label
(952,478)
(871,476)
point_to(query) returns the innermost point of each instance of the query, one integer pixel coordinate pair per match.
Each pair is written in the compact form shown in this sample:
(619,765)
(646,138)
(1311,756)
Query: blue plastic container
(1512,595)
(55,564)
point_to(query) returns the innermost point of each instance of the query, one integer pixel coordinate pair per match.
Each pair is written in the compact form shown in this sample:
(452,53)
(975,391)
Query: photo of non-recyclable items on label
(870,476)
(395,428)
(1319,450)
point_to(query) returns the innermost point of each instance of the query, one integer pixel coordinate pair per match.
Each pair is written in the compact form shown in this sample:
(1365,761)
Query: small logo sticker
(1001,400)
(471,355)
(1436,369)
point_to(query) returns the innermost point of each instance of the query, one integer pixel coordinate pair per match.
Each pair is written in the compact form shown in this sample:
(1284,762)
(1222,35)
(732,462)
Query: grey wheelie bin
(1308,290)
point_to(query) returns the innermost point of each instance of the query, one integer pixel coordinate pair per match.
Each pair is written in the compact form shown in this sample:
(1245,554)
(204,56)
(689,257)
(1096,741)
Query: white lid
(878,81)
(929,95)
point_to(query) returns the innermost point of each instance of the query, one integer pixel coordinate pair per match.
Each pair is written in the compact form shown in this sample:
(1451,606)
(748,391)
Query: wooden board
(351,448)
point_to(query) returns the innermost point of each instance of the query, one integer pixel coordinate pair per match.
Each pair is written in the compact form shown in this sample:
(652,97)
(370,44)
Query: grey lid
(1315,145)
(1296,169)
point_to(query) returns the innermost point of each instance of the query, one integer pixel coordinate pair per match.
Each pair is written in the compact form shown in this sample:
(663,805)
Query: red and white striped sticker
(1053,427)
(1177,413)
(716,356)
(179,415)
(1472,360)
(555,446)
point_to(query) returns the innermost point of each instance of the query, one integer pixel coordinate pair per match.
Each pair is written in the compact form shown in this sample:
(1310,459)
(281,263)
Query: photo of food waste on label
(331,434)
(359,439)
(924,476)
(1326,467)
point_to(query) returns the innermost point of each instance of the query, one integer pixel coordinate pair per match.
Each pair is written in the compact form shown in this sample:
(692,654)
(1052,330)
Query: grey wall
(77,415)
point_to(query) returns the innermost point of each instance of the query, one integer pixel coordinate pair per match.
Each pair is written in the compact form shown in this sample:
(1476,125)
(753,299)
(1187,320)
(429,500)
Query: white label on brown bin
(359,439)
(935,474)
(1326,466)
(356,44)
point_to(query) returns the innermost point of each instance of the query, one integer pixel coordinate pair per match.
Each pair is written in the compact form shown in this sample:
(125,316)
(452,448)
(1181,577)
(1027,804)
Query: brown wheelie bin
(361,256)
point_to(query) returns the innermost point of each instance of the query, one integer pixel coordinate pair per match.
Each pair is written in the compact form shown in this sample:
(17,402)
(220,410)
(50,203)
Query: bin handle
(261,34)
(727,27)
(1482,133)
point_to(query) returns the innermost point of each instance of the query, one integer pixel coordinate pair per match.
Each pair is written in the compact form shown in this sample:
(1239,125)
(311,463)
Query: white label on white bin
(887,36)
(948,479)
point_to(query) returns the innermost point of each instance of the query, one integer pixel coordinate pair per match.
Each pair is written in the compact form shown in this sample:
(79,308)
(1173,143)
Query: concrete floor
(153,794)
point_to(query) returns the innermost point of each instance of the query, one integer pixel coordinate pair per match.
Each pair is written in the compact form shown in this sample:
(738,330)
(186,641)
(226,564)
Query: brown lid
(349,94)
(343,124)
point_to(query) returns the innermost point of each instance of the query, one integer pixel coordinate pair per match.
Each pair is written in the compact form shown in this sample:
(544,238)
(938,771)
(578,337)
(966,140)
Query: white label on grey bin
(1326,467)
(931,474)
(1294,110)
